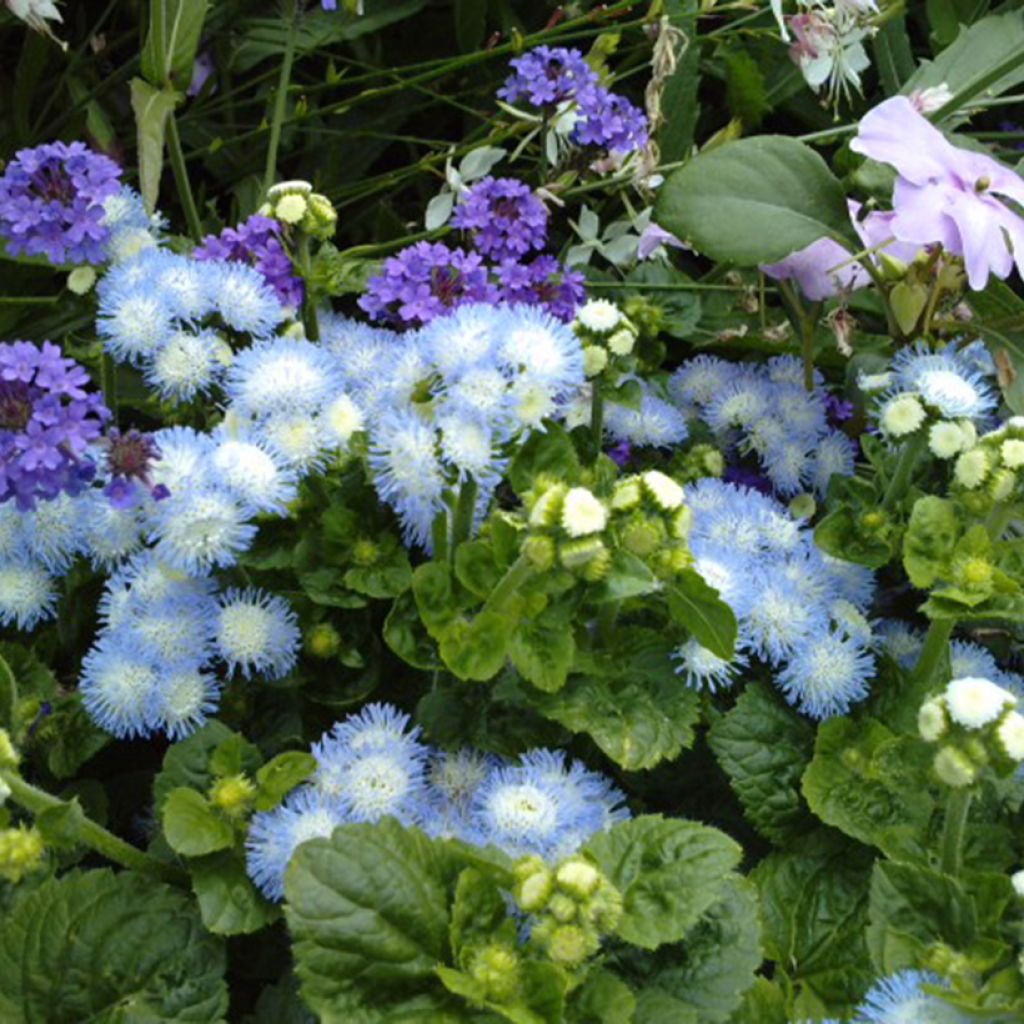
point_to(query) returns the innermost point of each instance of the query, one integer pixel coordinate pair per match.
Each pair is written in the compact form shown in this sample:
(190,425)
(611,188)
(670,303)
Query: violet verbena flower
(542,282)
(426,280)
(548,75)
(47,420)
(504,217)
(257,242)
(944,194)
(130,457)
(610,121)
(51,202)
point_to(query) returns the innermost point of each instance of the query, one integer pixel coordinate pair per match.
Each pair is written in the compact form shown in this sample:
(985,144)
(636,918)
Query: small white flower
(902,415)
(1012,452)
(295,187)
(869,382)
(582,513)
(974,702)
(931,720)
(946,439)
(971,468)
(1010,734)
(291,209)
(666,493)
(595,359)
(622,341)
(599,315)
(341,419)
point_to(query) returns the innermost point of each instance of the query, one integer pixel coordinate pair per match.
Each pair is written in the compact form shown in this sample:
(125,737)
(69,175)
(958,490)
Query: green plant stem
(281,96)
(808,321)
(305,262)
(905,464)
(108,382)
(953,828)
(997,519)
(936,644)
(439,535)
(597,414)
(95,836)
(462,518)
(180,171)
(515,576)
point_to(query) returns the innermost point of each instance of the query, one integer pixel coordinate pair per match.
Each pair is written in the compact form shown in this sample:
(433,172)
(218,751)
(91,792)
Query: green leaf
(695,605)
(550,452)
(233,755)
(95,946)
(986,57)
(435,599)
(754,201)
(763,745)
(627,577)
(8,696)
(715,964)
(279,776)
(603,999)
(59,825)
(669,872)
(543,649)
(679,308)
(763,1003)
(913,906)
(929,540)
(814,911)
(187,763)
(477,649)
(151,107)
(479,916)
(192,826)
(175,28)
(368,910)
(893,55)
(870,784)
(470,23)
(406,635)
(228,901)
(745,90)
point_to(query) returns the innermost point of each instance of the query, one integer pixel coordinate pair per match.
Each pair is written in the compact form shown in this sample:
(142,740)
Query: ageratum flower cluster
(763,411)
(800,612)
(373,765)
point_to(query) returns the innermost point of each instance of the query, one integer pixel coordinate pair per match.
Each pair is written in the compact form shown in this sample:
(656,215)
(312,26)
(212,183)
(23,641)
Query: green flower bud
(1002,484)
(21,852)
(907,302)
(546,510)
(932,721)
(577,555)
(803,506)
(540,551)
(568,945)
(682,520)
(665,492)
(562,908)
(605,908)
(954,768)
(8,755)
(322,640)
(290,209)
(233,795)
(533,891)
(81,280)
(496,967)
(365,552)
(321,219)
(626,494)
(643,536)
(595,359)
(578,877)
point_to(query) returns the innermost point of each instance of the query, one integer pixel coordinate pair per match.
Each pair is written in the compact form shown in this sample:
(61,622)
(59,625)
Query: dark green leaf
(603,999)
(669,872)
(175,28)
(697,607)
(470,23)
(893,56)
(754,201)
(228,901)
(543,649)
(187,763)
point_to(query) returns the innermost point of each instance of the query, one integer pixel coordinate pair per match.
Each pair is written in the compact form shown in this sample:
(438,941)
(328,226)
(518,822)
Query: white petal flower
(582,513)
(974,702)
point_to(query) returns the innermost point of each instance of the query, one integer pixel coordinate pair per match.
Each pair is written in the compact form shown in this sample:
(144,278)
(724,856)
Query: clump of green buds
(21,852)
(572,904)
(234,795)
(296,204)
(975,723)
(322,641)
(987,470)
(498,968)
(566,525)
(607,335)
(651,521)
(700,461)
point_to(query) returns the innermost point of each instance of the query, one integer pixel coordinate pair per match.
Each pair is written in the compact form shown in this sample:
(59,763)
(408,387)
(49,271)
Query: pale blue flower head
(187,364)
(52,533)
(255,633)
(117,684)
(967,659)
(134,319)
(853,581)
(180,281)
(202,529)
(901,999)
(301,442)
(183,463)
(252,471)
(544,350)
(470,447)
(790,370)
(452,781)
(743,400)
(834,455)
(826,674)
(275,835)
(466,338)
(184,697)
(176,629)
(242,297)
(281,376)
(790,464)
(698,380)
(656,424)
(28,593)
(702,669)
(781,620)
(946,381)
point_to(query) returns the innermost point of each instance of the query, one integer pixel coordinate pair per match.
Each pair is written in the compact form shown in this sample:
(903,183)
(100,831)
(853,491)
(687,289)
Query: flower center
(15,406)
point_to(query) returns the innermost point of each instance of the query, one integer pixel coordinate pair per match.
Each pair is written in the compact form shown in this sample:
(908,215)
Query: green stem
(439,536)
(515,576)
(978,86)
(952,847)
(808,321)
(997,519)
(305,262)
(281,96)
(905,464)
(597,414)
(462,518)
(936,644)
(177,158)
(108,382)
(95,836)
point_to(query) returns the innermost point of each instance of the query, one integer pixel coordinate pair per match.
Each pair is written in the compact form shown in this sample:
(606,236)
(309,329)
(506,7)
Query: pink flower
(944,194)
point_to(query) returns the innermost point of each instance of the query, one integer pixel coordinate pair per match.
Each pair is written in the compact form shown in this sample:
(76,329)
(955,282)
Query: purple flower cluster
(504,217)
(47,420)
(51,202)
(257,242)
(426,280)
(547,76)
(542,282)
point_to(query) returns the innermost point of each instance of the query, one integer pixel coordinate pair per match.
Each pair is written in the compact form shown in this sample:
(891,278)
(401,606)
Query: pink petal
(896,134)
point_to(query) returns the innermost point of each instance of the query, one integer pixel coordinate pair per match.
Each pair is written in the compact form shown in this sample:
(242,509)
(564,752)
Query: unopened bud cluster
(572,906)
(296,204)
(574,528)
(607,335)
(989,470)
(234,795)
(975,723)
(21,852)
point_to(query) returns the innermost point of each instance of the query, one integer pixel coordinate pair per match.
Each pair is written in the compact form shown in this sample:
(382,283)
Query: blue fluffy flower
(281,376)
(946,381)
(243,298)
(202,529)
(28,593)
(256,633)
(900,999)
(117,685)
(826,673)
(184,697)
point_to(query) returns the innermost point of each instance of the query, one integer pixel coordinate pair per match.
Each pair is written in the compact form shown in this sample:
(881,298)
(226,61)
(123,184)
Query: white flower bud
(974,702)
(1010,733)
(931,720)
(902,415)
(946,440)
(582,513)
(595,359)
(1012,452)
(667,494)
(599,315)
(954,768)
(622,341)
(290,209)
(971,468)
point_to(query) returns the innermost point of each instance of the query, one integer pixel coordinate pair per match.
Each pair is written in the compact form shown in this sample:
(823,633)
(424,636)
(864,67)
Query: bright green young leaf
(763,745)
(192,827)
(477,649)
(669,872)
(754,201)
(697,607)
(187,763)
(279,776)
(603,999)
(930,539)
(547,451)
(228,901)
(763,1003)
(368,912)
(543,649)
(110,948)
(151,107)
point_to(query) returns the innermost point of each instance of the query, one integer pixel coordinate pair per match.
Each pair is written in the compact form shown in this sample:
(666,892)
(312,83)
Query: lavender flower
(610,121)
(51,202)
(47,420)
(548,75)
(257,242)
(426,280)
(504,217)
(542,282)
(944,194)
